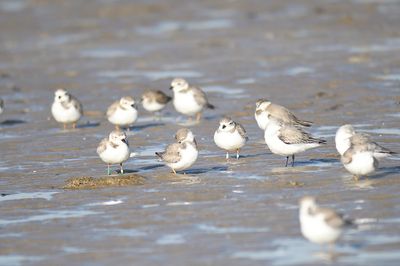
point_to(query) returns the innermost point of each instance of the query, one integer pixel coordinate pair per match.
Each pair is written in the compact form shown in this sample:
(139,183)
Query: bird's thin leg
(122,169)
(74,125)
(292,160)
(173,170)
(65,126)
(237,154)
(227,155)
(287,160)
(198,117)
(355,177)
(108,169)
(116,127)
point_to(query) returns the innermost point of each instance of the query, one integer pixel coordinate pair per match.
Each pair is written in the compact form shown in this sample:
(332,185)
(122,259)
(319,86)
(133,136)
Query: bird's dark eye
(59,97)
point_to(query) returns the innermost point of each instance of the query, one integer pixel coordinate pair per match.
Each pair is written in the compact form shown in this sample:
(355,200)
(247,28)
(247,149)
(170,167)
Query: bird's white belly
(362,163)
(188,158)
(318,231)
(185,103)
(229,141)
(123,117)
(115,155)
(153,106)
(62,115)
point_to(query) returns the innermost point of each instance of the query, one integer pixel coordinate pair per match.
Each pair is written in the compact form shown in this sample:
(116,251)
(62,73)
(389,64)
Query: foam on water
(172,239)
(30,195)
(211,229)
(50,215)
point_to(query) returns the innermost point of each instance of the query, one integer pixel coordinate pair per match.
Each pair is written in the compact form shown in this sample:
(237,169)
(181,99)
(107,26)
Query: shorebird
(189,100)
(230,136)
(154,101)
(287,140)
(114,149)
(66,108)
(122,113)
(181,155)
(320,225)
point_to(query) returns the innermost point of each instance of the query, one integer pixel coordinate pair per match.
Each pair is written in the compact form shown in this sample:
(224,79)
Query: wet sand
(331,62)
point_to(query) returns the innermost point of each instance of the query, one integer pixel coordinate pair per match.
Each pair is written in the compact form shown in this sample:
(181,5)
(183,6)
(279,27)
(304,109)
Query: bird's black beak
(223,126)
(124,141)
(133,105)
(171,88)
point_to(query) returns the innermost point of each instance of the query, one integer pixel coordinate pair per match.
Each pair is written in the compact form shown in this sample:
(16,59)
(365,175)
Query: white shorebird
(320,225)
(182,154)
(361,159)
(114,149)
(66,109)
(154,101)
(265,109)
(230,136)
(189,100)
(287,140)
(122,113)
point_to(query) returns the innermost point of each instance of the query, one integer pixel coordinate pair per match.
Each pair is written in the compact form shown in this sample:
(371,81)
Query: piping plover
(1,105)
(361,158)
(66,108)
(264,108)
(287,140)
(114,149)
(189,100)
(320,225)
(154,101)
(182,154)
(230,136)
(122,113)
(347,136)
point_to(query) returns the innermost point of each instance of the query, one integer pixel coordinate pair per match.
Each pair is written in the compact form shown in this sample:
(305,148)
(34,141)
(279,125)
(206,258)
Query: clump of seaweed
(87,182)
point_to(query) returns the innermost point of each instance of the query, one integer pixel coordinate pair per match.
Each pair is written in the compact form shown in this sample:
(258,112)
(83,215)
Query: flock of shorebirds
(284,135)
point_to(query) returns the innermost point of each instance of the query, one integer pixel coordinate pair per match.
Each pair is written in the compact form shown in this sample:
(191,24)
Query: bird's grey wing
(77,104)
(331,217)
(376,148)
(284,114)
(161,97)
(102,146)
(294,135)
(199,96)
(171,154)
(112,108)
(241,131)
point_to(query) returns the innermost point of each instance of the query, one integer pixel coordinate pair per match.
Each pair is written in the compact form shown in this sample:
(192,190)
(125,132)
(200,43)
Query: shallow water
(331,62)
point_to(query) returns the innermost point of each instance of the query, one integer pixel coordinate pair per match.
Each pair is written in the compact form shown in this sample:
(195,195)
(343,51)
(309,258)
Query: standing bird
(361,158)
(182,154)
(230,136)
(320,225)
(287,140)
(265,108)
(154,101)
(189,100)
(66,108)
(114,149)
(122,113)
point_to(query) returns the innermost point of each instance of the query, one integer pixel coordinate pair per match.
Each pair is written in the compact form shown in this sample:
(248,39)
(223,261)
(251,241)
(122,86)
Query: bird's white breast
(186,104)
(123,117)
(229,141)
(63,115)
